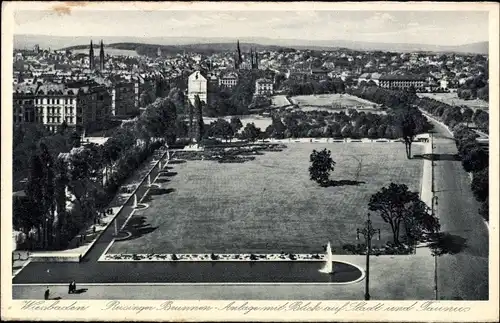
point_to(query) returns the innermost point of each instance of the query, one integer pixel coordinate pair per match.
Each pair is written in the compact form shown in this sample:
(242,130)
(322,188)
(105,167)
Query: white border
(479,311)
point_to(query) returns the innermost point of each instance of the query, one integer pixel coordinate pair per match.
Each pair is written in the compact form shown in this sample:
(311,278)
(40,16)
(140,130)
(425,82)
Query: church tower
(101,57)
(238,60)
(91,56)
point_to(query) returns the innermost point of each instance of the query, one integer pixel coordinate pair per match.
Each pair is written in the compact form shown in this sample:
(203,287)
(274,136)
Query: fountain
(134,205)
(328,268)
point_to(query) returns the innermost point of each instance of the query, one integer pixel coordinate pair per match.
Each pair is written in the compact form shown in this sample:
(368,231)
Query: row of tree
(455,115)
(476,87)
(294,87)
(475,160)
(89,177)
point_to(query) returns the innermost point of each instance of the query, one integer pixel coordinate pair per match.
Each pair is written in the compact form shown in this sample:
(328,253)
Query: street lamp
(434,201)
(368,232)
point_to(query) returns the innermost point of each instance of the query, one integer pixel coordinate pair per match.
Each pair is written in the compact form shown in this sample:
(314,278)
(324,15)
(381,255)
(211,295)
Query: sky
(422,27)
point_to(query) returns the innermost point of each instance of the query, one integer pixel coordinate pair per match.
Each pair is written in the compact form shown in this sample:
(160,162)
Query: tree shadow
(138,228)
(343,182)
(167,173)
(452,157)
(161,191)
(176,161)
(446,243)
(162,180)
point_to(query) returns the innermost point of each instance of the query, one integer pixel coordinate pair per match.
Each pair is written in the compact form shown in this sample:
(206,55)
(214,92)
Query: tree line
(475,160)
(473,88)
(454,115)
(88,176)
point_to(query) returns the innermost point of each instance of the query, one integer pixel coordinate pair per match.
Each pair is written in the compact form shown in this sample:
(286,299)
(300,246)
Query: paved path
(463,275)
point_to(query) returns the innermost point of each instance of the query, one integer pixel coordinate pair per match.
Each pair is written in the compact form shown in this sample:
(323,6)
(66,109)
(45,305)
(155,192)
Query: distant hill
(224,44)
(151,49)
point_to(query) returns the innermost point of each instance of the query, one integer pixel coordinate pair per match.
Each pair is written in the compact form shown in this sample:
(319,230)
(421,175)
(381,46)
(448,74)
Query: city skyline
(411,27)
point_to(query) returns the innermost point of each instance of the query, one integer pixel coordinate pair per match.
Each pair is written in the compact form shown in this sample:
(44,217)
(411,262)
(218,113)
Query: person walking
(70,288)
(46,294)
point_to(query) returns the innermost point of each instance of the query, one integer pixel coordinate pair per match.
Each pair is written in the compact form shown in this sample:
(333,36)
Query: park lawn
(269,205)
(326,100)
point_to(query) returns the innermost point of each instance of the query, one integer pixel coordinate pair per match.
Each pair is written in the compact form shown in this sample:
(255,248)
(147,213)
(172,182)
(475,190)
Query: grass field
(326,100)
(452,99)
(280,101)
(268,205)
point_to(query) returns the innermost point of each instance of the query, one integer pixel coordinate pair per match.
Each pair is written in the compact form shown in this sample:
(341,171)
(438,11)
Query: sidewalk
(83,241)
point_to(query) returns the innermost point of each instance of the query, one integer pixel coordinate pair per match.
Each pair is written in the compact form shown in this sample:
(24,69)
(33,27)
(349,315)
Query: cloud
(413,24)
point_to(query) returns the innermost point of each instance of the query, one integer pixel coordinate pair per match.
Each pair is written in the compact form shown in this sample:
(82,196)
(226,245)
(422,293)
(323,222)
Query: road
(462,273)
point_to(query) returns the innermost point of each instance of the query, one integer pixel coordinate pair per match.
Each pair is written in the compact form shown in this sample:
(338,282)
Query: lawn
(327,100)
(453,99)
(279,101)
(268,205)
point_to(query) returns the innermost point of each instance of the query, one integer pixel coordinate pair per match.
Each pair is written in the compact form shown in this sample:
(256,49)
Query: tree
(278,128)
(397,205)
(359,167)
(408,130)
(484,210)
(222,128)
(250,132)
(236,124)
(322,165)
(418,222)
(347,131)
(480,185)
(372,133)
(198,122)
(474,157)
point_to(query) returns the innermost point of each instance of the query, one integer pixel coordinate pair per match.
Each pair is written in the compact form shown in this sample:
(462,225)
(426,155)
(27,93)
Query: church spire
(91,55)
(101,57)
(239,53)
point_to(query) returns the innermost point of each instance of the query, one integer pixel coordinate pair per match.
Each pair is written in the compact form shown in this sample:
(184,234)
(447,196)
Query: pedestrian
(46,294)
(70,288)
(94,229)
(73,288)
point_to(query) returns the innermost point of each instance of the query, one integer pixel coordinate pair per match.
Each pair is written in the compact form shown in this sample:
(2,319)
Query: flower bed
(214,257)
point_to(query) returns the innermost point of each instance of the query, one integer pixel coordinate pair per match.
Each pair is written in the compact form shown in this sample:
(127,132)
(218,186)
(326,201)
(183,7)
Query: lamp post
(435,202)
(368,232)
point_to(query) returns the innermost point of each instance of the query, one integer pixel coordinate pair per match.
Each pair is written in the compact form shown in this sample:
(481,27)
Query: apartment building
(263,87)
(77,104)
(401,81)
(229,80)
